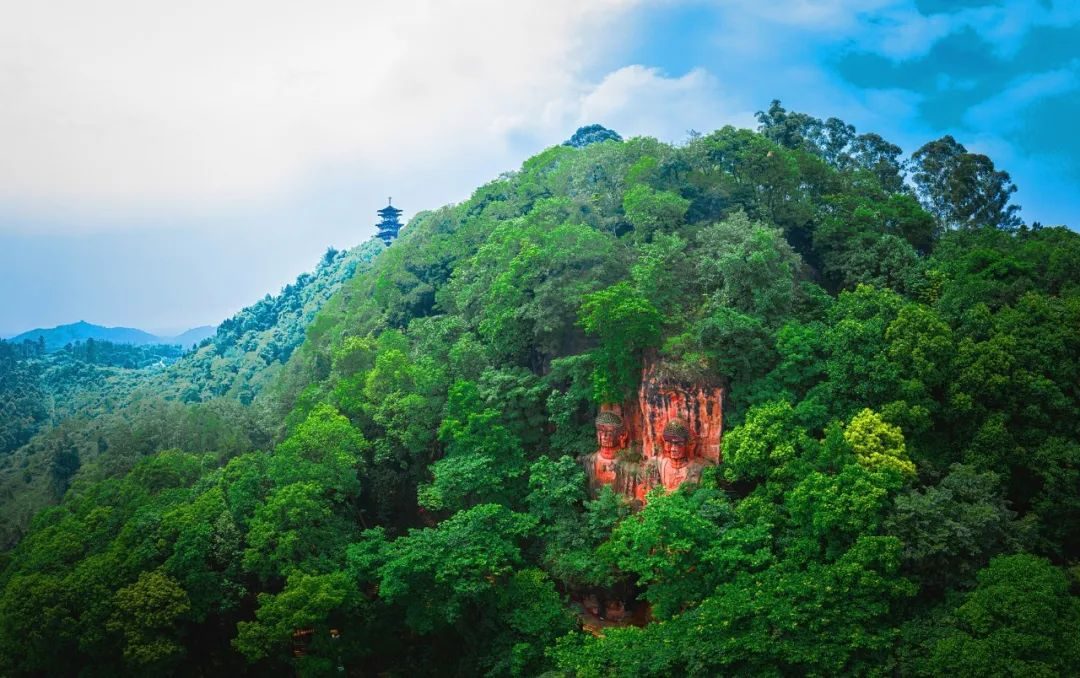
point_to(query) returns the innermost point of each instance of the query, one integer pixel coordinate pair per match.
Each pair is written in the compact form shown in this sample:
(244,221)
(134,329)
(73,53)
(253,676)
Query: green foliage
(446,574)
(736,345)
(748,266)
(308,601)
(295,528)
(39,388)
(571,526)
(768,445)
(834,510)
(661,274)
(22,403)
(668,546)
(824,619)
(484,461)
(326,449)
(650,211)
(625,323)
(963,189)
(1019,620)
(951,529)
(878,445)
(591,134)
(525,284)
(95,397)
(146,615)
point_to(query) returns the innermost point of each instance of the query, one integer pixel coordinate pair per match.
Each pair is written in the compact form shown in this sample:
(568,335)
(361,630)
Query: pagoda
(389,226)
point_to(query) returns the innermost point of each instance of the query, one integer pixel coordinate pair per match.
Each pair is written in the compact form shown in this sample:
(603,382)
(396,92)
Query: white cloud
(808,15)
(1003,111)
(905,34)
(122,106)
(641,101)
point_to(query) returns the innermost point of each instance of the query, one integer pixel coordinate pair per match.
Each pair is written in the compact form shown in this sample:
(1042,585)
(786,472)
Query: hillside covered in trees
(898,488)
(91,409)
(39,387)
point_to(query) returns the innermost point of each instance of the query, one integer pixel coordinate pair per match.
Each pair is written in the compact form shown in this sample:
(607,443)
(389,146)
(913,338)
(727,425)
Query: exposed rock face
(664,397)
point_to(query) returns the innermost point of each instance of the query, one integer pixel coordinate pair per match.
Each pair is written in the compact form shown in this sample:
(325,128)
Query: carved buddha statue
(601,466)
(675,466)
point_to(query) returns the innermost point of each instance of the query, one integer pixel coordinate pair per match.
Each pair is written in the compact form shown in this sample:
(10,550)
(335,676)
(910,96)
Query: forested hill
(245,352)
(96,407)
(55,338)
(899,490)
(40,388)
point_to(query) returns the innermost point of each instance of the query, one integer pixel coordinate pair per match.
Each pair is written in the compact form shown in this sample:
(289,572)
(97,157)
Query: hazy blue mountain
(192,336)
(58,337)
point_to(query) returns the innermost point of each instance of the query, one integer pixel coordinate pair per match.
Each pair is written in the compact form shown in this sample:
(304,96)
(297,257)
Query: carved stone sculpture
(664,436)
(676,467)
(602,466)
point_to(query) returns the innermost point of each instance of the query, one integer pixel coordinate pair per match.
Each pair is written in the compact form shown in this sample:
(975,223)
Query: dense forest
(898,490)
(92,409)
(39,387)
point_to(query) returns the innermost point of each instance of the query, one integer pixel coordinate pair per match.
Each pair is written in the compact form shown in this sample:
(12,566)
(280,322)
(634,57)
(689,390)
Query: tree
(662,275)
(786,619)
(835,142)
(882,158)
(962,189)
(768,445)
(667,547)
(1019,620)
(316,602)
(296,529)
(653,212)
(556,500)
(591,134)
(736,345)
(748,266)
(877,444)
(148,616)
(444,575)
(951,530)
(626,323)
(484,462)
(37,625)
(789,129)
(326,449)
(829,512)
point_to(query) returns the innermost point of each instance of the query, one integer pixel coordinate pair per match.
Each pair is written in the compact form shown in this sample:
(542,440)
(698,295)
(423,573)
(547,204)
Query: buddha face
(676,450)
(608,436)
(676,441)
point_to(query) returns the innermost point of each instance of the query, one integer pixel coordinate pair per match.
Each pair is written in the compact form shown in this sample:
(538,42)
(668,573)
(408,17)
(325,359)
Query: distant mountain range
(58,337)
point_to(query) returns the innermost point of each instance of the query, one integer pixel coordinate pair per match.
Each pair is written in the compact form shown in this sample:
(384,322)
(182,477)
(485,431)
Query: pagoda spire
(390,224)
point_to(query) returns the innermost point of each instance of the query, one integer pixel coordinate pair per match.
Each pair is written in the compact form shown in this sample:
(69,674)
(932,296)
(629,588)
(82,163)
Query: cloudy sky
(164,164)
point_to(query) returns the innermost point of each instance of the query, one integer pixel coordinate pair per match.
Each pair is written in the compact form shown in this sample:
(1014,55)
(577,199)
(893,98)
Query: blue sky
(164,171)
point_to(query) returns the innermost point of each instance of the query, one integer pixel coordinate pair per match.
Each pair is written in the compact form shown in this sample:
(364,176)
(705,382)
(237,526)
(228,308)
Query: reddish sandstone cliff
(665,395)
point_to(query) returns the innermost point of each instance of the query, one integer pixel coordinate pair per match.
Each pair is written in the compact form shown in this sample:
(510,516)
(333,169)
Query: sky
(164,164)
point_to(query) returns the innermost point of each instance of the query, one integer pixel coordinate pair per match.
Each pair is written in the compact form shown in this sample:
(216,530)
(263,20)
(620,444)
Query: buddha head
(676,438)
(609,433)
